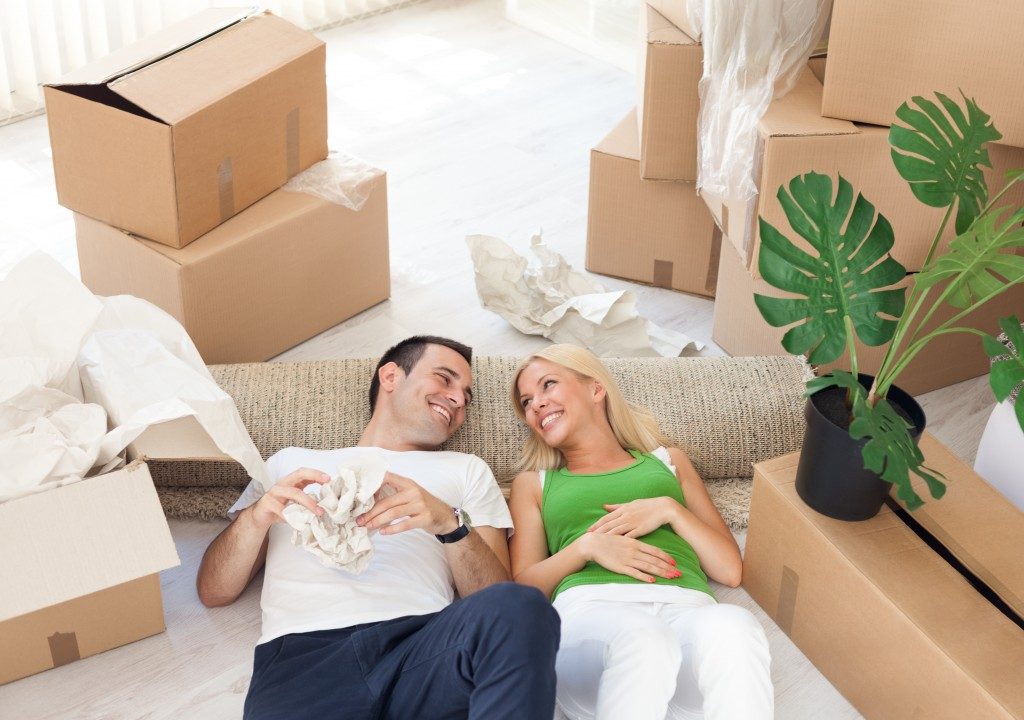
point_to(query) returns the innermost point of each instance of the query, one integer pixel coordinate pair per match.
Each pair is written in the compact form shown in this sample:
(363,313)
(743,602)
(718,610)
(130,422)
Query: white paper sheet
(139,366)
(547,297)
(335,537)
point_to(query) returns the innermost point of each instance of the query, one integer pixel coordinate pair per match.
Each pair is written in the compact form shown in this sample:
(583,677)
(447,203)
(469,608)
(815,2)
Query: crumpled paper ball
(335,537)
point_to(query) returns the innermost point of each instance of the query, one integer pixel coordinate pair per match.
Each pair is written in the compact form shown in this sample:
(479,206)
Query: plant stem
(938,235)
(918,346)
(852,346)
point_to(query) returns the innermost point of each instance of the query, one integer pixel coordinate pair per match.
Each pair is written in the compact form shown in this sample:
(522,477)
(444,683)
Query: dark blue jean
(489,656)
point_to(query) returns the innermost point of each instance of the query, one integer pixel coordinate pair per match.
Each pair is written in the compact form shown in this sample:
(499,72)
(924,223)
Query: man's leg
(489,656)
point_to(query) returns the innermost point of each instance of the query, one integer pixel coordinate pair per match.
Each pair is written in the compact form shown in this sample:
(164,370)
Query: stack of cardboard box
(172,151)
(816,127)
(646,221)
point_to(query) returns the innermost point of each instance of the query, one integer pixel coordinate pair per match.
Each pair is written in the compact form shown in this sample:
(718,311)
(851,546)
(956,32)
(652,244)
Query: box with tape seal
(81,570)
(175,134)
(909,615)
(652,231)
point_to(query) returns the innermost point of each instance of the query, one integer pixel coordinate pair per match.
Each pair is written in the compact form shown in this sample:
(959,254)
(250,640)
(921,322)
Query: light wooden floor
(483,127)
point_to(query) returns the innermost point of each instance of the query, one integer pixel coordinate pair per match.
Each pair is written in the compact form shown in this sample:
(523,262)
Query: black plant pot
(831,477)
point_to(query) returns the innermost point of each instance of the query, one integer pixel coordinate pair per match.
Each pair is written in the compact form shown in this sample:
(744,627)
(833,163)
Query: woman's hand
(637,518)
(627,556)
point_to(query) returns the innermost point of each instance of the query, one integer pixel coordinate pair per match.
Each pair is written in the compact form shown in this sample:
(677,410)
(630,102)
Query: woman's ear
(597,391)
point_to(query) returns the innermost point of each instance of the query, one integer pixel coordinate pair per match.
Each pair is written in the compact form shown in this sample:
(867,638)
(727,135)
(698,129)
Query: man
(390,642)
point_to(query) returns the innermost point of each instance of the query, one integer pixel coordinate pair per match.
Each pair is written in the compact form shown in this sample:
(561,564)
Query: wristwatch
(461,531)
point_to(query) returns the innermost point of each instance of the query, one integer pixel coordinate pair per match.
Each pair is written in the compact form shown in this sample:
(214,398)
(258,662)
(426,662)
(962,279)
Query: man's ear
(389,374)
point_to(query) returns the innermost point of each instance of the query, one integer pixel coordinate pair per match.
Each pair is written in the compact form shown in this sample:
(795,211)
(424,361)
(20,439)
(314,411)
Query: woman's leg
(616,660)
(725,670)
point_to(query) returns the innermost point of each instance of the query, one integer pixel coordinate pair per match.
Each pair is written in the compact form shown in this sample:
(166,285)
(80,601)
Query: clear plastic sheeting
(753,53)
(340,179)
(547,297)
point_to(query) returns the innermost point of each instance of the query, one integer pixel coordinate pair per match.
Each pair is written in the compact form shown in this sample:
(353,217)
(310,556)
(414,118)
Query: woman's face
(556,402)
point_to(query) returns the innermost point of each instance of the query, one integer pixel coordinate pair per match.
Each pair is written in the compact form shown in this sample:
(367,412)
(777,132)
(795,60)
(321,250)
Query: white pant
(632,652)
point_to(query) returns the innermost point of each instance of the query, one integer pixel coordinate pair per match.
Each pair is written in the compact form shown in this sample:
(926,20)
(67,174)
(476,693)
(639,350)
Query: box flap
(159,45)
(187,81)
(183,438)
(660,30)
(81,538)
(624,139)
(799,112)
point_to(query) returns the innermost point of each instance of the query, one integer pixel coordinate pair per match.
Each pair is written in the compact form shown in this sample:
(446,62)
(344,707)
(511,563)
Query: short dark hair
(407,353)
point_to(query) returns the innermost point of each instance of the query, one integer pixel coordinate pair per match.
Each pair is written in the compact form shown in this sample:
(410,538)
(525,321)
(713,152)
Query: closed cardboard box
(668,103)
(173,135)
(882,53)
(885,617)
(80,568)
(740,330)
(795,139)
(276,274)
(652,231)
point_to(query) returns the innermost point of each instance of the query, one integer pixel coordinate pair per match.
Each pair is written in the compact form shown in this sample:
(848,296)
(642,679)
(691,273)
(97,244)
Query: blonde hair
(633,427)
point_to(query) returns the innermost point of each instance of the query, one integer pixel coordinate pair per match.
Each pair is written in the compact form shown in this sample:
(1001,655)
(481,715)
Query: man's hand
(268,509)
(420,508)
(637,518)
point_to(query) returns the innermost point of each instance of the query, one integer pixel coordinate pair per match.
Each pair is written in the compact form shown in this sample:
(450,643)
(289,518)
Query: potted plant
(862,431)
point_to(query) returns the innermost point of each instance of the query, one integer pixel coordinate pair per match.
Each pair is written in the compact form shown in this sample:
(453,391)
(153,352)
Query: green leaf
(980,261)
(890,450)
(941,154)
(845,278)
(1008,364)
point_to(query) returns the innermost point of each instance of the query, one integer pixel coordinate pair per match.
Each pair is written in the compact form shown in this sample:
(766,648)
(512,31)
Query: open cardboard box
(794,139)
(172,135)
(652,231)
(887,619)
(80,568)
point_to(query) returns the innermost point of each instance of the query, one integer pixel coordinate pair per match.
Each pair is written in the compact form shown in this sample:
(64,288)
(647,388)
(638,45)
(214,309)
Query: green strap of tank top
(572,502)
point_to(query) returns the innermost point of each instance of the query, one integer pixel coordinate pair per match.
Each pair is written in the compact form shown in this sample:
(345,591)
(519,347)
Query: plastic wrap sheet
(547,297)
(753,52)
(341,179)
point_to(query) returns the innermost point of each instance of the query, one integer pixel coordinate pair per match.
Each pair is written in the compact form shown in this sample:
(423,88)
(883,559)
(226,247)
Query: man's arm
(477,560)
(238,553)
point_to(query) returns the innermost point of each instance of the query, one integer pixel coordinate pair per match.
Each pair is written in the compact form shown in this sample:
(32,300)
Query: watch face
(464,517)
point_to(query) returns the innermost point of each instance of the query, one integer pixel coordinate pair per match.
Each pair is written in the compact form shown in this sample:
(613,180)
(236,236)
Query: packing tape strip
(292,143)
(787,599)
(662,273)
(711,279)
(63,648)
(226,189)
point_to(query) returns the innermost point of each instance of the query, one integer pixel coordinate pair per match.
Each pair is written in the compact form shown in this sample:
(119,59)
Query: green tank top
(573,502)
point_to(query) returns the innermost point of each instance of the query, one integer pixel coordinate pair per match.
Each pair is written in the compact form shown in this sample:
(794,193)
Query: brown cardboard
(90,585)
(882,53)
(276,274)
(651,231)
(175,134)
(671,64)
(740,330)
(795,139)
(905,635)
(676,12)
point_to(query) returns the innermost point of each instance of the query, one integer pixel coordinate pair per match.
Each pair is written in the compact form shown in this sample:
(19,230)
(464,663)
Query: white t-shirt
(408,575)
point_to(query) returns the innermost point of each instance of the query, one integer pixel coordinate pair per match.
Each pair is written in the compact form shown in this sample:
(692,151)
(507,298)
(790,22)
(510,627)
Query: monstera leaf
(843,280)
(941,154)
(1007,373)
(890,451)
(980,261)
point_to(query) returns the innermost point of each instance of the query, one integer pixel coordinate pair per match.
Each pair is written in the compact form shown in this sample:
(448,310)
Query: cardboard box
(882,53)
(180,452)
(276,274)
(652,231)
(740,330)
(173,135)
(671,64)
(905,635)
(681,14)
(794,139)
(80,568)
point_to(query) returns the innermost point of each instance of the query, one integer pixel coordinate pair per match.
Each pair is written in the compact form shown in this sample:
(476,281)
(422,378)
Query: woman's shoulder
(527,482)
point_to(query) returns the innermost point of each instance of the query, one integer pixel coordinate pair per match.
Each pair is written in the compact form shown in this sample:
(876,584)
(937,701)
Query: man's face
(430,402)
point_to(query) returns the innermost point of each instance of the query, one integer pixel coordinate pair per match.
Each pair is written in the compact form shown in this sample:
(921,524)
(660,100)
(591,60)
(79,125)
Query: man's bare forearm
(232,560)
(474,565)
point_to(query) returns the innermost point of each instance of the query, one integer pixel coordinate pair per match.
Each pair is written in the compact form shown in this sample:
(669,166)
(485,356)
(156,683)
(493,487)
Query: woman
(621,533)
